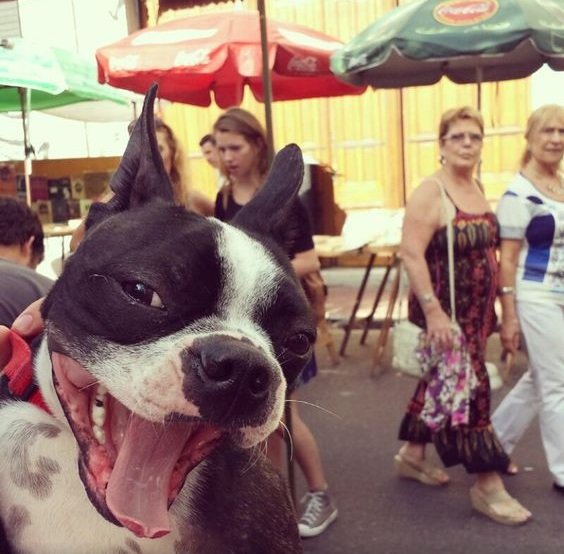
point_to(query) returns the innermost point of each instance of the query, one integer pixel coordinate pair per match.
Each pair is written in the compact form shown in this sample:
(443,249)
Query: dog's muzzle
(230,379)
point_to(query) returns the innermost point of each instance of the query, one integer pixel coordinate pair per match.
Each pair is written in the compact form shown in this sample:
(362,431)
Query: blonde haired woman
(463,434)
(531,217)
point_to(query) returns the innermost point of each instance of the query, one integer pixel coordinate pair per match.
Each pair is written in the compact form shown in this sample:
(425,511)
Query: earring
(442,159)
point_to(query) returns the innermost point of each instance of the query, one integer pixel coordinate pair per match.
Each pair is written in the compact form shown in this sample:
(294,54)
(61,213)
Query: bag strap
(403,289)
(450,249)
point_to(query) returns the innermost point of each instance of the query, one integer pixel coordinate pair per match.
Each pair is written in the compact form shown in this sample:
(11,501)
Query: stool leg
(386,324)
(375,305)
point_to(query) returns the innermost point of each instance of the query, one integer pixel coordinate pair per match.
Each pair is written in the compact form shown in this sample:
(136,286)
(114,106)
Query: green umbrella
(38,77)
(469,41)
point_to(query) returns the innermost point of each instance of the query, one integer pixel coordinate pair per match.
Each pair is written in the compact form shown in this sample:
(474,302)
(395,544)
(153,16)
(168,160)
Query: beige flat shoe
(499,506)
(422,471)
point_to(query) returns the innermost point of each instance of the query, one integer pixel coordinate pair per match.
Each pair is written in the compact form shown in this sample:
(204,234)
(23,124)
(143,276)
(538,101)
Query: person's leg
(489,497)
(410,462)
(543,325)
(516,411)
(319,508)
(306,451)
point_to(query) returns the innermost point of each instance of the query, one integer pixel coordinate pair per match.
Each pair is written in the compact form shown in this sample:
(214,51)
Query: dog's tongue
(138,489)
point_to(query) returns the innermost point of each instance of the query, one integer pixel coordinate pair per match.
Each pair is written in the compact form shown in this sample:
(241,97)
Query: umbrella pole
(266,81)
(479,79)
(24,103)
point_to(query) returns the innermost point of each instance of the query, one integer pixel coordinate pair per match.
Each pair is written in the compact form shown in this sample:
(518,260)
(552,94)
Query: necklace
(557,188)
(543,179)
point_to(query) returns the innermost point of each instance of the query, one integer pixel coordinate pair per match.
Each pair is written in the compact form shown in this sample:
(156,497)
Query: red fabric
(221,52)
(19,371)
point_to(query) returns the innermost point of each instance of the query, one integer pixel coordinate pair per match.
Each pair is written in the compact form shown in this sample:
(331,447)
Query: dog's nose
(227,378)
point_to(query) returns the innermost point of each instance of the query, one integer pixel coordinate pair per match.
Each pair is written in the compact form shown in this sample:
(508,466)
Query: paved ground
(380,513)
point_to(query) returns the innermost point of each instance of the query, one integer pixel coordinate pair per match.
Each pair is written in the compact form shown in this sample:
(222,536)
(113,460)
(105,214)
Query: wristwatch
(427,298)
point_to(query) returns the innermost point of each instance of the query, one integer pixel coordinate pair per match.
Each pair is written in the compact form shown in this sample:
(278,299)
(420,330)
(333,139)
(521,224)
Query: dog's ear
(268,212)
(141,176)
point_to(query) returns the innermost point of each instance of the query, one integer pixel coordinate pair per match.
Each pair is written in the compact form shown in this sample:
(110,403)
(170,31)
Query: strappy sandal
(421,471)
(499,506)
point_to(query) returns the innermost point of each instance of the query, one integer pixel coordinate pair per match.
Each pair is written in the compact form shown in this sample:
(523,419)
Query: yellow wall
(361,136)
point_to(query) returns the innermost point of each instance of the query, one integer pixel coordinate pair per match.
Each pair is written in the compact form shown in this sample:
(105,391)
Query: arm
(509,256)
(423,216)
(305,262)
(201,204)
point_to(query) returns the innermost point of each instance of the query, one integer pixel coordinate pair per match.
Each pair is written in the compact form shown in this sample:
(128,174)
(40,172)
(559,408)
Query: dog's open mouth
(132,468)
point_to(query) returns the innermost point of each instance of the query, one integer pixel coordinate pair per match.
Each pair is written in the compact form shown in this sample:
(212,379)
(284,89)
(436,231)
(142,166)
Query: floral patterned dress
(476,279)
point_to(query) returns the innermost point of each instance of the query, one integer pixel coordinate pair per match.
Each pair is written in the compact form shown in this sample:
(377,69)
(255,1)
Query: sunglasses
(457,138)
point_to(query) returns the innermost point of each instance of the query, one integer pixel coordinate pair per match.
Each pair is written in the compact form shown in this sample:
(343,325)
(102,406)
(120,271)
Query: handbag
(407,335)
(405,339)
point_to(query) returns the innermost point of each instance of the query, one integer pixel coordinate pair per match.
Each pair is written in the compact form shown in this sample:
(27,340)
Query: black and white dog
(169,342)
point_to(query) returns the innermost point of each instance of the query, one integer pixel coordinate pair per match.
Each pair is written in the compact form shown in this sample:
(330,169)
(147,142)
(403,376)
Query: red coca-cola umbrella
(216,55)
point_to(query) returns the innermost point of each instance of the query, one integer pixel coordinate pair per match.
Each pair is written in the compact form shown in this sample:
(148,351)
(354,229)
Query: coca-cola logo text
(465,12)
(307,64)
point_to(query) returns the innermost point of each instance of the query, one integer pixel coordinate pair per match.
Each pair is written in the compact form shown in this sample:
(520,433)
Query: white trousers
(541,389)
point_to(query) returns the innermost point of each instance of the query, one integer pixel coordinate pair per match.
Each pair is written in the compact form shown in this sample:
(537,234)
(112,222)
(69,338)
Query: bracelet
(427,298)
(506,290)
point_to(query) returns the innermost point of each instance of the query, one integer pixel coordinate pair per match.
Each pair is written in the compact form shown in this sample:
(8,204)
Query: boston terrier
(169,342)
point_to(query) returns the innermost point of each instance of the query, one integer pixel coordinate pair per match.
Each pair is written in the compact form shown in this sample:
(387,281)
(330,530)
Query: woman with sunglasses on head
(531,217)
(463,433)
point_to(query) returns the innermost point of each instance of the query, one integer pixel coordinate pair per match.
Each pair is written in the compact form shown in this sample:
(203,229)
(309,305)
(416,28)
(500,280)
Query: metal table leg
(381,288)
(359,296)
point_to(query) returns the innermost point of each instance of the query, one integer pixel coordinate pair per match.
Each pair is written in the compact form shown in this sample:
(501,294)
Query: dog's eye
(143,294)
(299,343)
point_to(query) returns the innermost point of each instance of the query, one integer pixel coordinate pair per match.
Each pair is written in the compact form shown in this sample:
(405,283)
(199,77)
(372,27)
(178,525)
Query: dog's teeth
(98,410)
(99,434)
(98,414)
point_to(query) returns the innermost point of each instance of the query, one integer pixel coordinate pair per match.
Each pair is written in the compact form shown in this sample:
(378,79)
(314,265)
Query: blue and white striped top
(524,213)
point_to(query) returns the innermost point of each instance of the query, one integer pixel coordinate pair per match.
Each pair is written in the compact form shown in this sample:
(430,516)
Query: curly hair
(179,188)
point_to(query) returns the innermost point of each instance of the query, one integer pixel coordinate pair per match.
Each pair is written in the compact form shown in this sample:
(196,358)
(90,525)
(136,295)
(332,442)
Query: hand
(439,329)
(510,336)
(28,324)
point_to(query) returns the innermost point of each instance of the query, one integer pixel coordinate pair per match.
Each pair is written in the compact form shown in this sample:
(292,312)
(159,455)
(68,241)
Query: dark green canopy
(466,40)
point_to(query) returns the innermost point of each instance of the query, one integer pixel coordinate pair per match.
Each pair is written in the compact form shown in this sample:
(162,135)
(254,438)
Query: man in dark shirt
(21,251)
